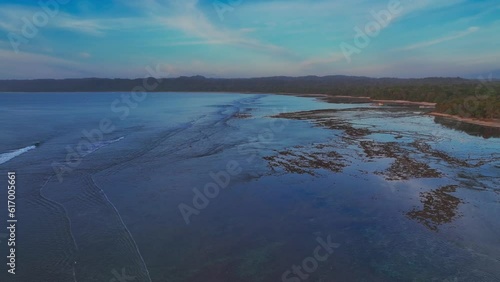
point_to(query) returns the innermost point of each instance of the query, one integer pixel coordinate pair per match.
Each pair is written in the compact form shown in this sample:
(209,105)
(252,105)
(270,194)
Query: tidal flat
(403,196)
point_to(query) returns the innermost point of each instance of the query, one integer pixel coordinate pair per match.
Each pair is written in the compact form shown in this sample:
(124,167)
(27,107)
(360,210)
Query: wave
(5,157)
(99,145)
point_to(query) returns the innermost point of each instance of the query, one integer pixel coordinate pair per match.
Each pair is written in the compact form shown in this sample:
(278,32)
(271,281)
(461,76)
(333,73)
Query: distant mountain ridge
(454,96)
(280,84)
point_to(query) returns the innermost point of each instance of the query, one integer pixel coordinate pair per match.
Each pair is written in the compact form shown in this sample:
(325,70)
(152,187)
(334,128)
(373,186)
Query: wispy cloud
(14,17)
(11,17)
(187,18)
(27,65)
(30,65)
(440,40)
(84,55)
(257,38)
(92,27)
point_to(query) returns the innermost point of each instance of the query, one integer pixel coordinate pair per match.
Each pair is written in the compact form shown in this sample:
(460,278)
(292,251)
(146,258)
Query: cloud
(29,65)
(84,55)
(11,17)
(257,38)
(92,27)
(440,40)
(187,18)
(14,17)
(26,65)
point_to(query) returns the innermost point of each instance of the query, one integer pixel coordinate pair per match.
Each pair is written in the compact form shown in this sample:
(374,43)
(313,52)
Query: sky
(245,38)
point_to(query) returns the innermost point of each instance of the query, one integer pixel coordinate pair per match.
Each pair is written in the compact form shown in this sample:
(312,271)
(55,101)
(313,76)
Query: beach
(483,122)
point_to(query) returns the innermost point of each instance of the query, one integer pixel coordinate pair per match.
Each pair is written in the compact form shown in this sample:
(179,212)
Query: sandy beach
(405,103)
(483,122)
(364,99)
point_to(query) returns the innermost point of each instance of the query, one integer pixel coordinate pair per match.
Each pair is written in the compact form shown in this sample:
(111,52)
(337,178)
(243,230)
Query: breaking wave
(5,157)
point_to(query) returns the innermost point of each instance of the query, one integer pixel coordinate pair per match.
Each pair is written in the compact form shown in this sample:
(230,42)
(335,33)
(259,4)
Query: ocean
(245,187)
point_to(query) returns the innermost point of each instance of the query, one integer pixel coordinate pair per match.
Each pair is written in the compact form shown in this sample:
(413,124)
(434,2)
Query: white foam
(5,157)
(99,145)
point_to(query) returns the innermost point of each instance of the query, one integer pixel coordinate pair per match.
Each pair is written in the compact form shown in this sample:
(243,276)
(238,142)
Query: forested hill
(335,85)
(458,96)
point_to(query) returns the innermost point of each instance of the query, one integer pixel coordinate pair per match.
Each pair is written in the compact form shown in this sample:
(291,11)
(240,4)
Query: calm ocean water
(177,188)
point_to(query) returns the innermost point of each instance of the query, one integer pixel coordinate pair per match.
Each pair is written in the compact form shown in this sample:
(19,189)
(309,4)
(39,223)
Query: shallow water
(113,209)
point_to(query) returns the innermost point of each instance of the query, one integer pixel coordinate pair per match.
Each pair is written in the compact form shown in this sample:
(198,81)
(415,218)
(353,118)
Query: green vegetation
(471,106)
(465,100)
(457,96)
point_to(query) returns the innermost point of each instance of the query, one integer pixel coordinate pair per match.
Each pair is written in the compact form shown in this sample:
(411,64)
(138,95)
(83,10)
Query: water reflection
(471,129)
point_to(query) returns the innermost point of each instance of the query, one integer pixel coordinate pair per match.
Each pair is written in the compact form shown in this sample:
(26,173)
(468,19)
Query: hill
(456,96)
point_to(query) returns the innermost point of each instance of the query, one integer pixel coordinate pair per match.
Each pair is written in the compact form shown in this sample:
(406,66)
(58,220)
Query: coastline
(366,99)
(483,122)
(495,123)
(406,103)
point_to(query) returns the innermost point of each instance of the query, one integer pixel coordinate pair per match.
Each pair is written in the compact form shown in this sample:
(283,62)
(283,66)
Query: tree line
(457,96)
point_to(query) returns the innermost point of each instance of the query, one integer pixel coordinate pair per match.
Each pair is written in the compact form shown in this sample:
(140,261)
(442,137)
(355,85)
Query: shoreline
(483,122)
(346,99)
(494,123)
(408,103)
(363,99)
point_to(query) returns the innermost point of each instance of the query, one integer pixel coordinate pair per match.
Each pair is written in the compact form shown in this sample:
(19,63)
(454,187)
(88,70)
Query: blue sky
(244,38)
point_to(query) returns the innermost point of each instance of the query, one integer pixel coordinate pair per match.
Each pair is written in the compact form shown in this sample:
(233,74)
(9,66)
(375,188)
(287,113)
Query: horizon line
(259,77)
